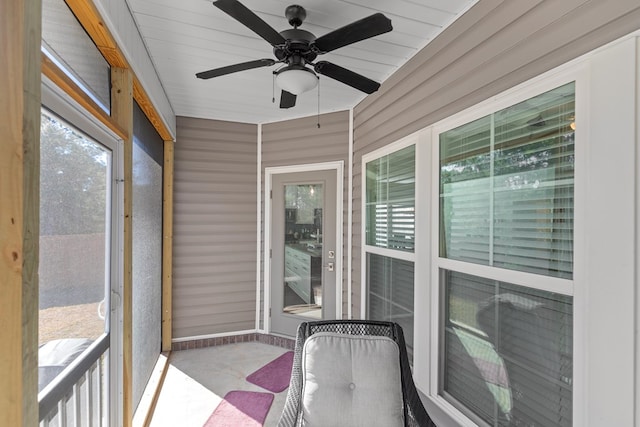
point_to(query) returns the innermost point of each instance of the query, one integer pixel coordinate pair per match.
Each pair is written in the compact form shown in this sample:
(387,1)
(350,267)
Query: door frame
(269,172)
(61,104)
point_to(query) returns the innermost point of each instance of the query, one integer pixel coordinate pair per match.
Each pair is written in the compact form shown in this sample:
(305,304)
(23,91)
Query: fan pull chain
(273,88)
(318,102)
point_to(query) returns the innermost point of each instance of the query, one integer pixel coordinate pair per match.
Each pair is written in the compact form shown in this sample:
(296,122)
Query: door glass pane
(74,244)
(303,250)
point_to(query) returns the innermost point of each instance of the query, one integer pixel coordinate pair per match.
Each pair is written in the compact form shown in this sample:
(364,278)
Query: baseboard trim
(274,340)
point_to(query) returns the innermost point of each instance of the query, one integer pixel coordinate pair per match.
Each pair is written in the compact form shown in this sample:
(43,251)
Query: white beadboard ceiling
(188,36)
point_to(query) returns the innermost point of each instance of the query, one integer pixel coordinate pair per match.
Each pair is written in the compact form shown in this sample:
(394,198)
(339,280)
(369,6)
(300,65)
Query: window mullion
(492,142)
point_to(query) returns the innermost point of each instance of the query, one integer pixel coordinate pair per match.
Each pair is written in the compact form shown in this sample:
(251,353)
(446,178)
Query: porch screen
(147,251)
(68,45)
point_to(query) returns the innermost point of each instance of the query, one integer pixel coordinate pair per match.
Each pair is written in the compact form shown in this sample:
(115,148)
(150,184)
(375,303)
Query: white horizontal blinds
(390,201)
(507,187)
(390,218)
(465,192)
(391,292)
(473,372)
(508,351)
(533,184)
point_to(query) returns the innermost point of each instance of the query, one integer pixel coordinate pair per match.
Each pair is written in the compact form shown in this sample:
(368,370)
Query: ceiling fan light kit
(296,80)
(296,49)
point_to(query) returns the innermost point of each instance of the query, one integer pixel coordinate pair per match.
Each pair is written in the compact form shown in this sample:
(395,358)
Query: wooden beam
(122,113)
(62,80)
(162,366)
(143,100)
(12,22)
(167,245)
(20,23)
(31,211)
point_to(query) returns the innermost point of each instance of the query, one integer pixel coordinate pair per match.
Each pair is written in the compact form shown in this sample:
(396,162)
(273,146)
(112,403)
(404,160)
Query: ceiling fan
(296,50)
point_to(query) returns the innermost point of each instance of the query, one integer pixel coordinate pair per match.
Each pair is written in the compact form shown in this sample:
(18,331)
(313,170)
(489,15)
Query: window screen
(147,251)
(74,273)
(506,187)
(66,43)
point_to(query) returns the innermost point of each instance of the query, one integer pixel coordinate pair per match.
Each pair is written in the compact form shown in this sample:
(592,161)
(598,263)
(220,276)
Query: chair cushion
(351,380)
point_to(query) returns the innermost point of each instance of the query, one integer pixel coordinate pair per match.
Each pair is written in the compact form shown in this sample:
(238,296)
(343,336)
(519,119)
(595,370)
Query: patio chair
(352,373)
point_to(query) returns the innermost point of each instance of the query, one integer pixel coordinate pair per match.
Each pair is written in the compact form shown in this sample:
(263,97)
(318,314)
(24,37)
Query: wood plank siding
(299,142)
(494,46)
(214,246)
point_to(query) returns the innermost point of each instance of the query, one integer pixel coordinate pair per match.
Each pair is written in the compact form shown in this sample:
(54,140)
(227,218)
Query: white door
(303,249)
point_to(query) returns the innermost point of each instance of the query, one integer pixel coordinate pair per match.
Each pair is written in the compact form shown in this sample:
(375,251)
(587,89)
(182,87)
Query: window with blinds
(507,201)
(390,200)
(508,351)
(390,283)
(390,239)
(506,187)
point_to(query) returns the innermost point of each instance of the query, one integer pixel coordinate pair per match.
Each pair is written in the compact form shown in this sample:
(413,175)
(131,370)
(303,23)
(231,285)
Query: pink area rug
(241,409)
(275,375)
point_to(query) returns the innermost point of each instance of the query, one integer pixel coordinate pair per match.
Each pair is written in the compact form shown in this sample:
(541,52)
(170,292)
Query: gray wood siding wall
(494,46)
(299,142)
(214,264)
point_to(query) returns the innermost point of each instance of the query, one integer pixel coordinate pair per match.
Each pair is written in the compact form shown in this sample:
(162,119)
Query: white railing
(78,397)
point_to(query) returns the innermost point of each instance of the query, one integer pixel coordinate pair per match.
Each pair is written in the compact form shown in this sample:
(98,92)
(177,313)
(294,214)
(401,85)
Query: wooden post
(20,23)
(167,245)
(122,113)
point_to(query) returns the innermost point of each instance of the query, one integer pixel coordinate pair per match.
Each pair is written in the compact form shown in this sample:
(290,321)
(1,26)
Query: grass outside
(74,321)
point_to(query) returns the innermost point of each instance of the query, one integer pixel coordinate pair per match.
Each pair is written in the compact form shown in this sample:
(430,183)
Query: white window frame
(417,139)
(428,377)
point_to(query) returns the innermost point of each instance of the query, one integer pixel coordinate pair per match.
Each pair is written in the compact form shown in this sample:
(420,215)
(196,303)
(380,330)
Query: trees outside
(74,191)
(73,181)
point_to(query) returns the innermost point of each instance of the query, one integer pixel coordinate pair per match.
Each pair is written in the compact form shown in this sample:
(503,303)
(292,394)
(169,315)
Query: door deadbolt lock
(329,266)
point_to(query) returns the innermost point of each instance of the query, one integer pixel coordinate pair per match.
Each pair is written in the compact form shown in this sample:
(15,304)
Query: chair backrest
(351,380)
(369,337)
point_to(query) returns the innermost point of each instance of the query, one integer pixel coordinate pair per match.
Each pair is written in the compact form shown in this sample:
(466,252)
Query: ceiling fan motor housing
(298,43)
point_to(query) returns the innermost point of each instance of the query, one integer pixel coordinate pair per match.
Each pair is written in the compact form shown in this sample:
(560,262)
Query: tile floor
(197,380)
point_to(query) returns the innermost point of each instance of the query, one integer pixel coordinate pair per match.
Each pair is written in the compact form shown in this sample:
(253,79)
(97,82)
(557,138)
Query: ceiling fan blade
(347,77)
(216,72)
(242,14)
(287,99)
(365,28)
